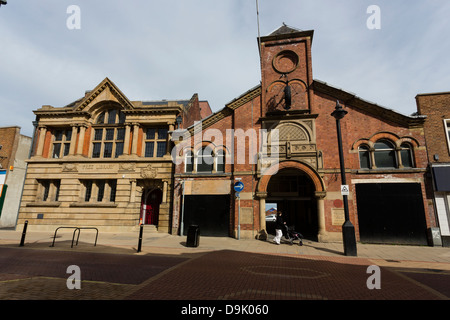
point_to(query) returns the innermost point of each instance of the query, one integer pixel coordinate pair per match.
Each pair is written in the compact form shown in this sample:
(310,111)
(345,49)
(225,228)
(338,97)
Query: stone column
(135,139)
(262,234)
(126,142)
(81,140)
(164,195)
(132,190)
(41,141)
(73,140)
(322,233)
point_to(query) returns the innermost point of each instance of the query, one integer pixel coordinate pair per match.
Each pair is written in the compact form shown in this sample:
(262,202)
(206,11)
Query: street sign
(345,191)
(238,186)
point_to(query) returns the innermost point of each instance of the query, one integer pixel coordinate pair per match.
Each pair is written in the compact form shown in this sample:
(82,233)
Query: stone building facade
(104,161)
(285,129)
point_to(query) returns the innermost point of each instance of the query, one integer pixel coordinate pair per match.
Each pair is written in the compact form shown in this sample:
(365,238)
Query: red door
(150,207)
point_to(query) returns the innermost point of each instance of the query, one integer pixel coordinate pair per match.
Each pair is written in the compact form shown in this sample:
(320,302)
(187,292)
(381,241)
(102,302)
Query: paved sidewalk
(218,269)
(154,242)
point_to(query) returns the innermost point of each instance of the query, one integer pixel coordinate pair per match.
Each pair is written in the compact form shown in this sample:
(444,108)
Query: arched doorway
(293,192)
(313,188)
(150,202)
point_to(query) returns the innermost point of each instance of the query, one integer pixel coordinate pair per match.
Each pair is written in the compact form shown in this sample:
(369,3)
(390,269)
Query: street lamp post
(348,230)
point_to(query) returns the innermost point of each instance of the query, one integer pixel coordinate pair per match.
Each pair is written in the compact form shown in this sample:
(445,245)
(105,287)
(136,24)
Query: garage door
(210,212)
(391,213)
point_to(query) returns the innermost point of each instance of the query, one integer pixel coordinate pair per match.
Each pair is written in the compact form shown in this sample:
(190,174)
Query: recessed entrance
(151,200)
(293,193)
(391,213)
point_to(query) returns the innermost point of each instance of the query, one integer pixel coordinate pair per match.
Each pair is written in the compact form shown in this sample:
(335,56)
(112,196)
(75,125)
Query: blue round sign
(238,186)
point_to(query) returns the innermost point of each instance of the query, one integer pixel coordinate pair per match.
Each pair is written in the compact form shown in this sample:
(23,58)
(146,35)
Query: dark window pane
(205,160)
(189,163)
(46,185)
(113,185)
(364,158)
(101,118)
(101,190)
(120,134)
(68,135)
(57,185)
(119,149)
(161,149)
(112,116)
(59,135)
(385,159)
(220,161)
(88,185)
(150,133)
(121,117)
(162,134)
(98,134)
(56,150)
(107,152)
(96,150)
(149,149)
(406,158)
(383,145)
(109,134)
(66,148)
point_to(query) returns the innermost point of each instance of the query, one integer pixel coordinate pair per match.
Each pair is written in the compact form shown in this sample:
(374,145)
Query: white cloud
(164,49)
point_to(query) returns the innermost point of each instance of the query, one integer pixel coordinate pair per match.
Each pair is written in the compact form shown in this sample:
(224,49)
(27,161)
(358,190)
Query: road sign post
(238,187)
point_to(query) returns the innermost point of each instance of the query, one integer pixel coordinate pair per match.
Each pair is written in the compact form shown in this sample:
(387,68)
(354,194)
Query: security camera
(2,2)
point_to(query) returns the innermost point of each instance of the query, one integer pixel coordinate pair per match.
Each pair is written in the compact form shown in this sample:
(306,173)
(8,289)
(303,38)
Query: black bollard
(24,232)
(140,237)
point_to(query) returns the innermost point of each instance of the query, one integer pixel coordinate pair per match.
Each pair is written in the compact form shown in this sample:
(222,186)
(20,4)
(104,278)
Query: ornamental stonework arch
(273,170)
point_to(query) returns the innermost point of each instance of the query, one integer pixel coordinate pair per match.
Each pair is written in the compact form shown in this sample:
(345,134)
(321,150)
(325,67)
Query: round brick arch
(273,170)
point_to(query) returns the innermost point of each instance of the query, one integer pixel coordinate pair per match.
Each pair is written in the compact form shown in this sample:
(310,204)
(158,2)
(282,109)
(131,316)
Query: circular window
(285,62)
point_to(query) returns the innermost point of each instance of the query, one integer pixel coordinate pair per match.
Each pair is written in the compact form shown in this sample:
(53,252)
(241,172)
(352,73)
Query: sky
(171,49)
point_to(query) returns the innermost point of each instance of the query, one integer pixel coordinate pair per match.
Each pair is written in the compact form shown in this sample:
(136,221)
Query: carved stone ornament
(149,172)
(126,166)
(69,167)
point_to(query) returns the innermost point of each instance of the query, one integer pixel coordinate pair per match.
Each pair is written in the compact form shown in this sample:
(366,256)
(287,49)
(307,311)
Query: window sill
(93,205)
(44,204)
(389,170)
(204,174)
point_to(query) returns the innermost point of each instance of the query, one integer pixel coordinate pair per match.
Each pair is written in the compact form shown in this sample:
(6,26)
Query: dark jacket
(279,224)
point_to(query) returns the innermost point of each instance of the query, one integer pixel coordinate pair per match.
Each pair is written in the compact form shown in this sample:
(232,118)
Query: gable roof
(104,86)
(349,98)
(285,32)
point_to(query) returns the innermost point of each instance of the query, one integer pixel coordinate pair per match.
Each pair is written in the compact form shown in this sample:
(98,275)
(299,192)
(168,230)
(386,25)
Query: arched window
(406,155)
(109,134)
(385,154)
(111,116)
(364,157)
(220,161)
(205,160)
(189,161)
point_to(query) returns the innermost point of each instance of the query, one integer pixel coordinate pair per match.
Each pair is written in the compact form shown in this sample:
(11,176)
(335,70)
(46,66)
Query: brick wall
(437,108)
(9,140)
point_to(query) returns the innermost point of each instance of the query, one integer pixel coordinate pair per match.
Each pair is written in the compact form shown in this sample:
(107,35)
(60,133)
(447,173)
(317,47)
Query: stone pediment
(104,92)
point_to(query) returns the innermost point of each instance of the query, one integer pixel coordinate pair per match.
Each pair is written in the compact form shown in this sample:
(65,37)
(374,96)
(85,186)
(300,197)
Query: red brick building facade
(286,132)
(436,106)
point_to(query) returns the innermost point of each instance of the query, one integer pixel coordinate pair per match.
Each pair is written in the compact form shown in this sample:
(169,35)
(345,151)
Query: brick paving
(220,269)
(233,275)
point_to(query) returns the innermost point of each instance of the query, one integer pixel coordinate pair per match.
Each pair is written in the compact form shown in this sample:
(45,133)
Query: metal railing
(74,232)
